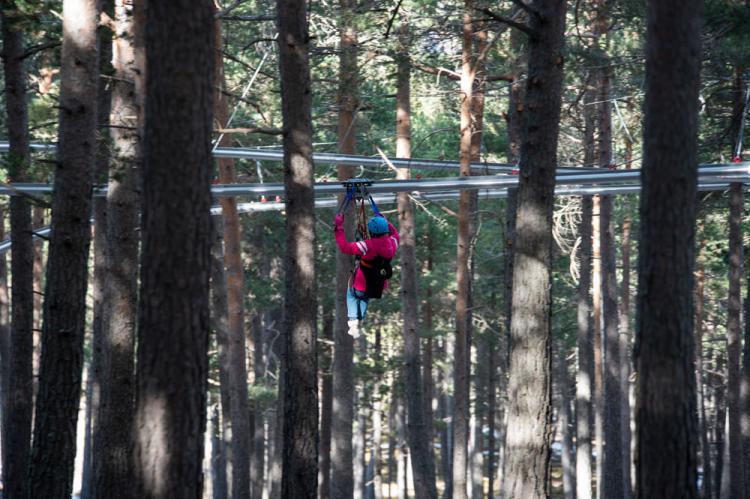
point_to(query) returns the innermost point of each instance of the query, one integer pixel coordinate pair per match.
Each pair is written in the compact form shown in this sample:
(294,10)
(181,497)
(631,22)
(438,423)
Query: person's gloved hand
(338,221)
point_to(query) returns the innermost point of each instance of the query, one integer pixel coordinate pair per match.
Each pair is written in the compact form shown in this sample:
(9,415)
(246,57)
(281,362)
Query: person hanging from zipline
(374,253)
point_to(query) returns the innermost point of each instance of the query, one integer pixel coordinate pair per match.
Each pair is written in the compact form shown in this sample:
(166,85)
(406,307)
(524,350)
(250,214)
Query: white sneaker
(354,328)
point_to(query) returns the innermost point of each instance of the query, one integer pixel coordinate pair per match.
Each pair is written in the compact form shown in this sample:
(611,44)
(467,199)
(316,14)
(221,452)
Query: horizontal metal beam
(277,155)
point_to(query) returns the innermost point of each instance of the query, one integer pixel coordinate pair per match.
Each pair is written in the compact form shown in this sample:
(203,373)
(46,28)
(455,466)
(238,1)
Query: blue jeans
(356,304)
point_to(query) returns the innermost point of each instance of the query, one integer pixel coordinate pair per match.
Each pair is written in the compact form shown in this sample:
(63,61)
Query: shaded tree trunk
(239,410)
(53,452)
(173,315)
(112,464)
(19,397)
(665,388)
(565,420)
(527,461)
(700,282)
(299,360)
(326,408)
(734,344)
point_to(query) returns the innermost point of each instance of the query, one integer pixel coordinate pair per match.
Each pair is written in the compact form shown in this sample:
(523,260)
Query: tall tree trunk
(19,402)
(173,315)
(258,460)
(342,459)
(565,420)
(239,411)
(299,361)
(596,301)
(419,441)
(528,446)
(53,452)
(700,283)
(377,425)
(720,426)
(612,478)
(326,407)
(734,344)
(463,274)
(219,488)
(112,464)
(4,338)
(666,461)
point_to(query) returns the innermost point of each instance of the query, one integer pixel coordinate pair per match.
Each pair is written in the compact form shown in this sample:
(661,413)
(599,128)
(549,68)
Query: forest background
(603,37)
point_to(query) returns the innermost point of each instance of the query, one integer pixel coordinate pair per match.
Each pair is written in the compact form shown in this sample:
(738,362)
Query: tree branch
(510,22)
(260,18)
(229,8)
(393,18)
(526,7)
(452,75)
(263,130)
(40,47)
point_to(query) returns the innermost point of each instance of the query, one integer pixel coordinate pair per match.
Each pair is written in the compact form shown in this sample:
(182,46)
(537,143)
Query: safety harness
(378,269)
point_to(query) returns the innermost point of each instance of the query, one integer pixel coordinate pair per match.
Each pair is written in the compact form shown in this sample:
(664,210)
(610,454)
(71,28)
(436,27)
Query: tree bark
(565,420)
(700,282)
(239,409)
(173,316)
(19,402)
(526,465)
(342,458)
(299,361)
(734,344)
(53,452)
(326,408)
(4,338)
(419,441)
(665,408)
(112,449)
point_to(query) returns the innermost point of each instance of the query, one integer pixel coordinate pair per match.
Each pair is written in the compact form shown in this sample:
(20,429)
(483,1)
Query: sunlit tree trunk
(417,435)
(665,387)
(19,401)
(53,452)
(326,407)
(173,315)
(528,445)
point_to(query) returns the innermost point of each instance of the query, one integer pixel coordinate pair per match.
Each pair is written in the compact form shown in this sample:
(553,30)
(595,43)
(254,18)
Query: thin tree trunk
(377,425)
(700,283)
(720,429)
(326,407)
(612,478)
(565,422)
(463,274)
(342,459)
(596,300)
(360,440)
(173,315)
(239,410)
(299,361)
(258,460)
(585,378)
(666,460)
(527,464)
(734,343)
(219,488)
(53,452)
(417,434)
(19,401)
(4,338)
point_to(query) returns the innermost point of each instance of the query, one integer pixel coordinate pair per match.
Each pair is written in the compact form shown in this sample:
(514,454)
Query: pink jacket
(368,249)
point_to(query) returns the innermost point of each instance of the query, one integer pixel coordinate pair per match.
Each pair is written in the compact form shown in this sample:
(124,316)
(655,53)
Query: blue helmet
(377,226)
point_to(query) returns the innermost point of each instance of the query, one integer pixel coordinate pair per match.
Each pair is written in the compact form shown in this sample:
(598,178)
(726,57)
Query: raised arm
(356,248)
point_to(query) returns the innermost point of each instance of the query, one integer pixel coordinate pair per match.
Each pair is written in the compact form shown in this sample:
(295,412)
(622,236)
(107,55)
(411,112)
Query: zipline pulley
(356,189)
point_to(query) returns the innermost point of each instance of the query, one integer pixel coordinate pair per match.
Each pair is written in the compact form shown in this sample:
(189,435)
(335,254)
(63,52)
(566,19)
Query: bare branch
(393,18)
(223,12)
(510,22)
(260,18)
(263,130)
(526,7)
(39,48)
(439,71)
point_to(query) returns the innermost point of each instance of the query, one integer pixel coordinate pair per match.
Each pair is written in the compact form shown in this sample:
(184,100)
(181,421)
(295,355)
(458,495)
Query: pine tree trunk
(173,315)
(700,283)
(4,338)
(377,425)
(299,361)
(113,454)
(18,405)
(565,422)
(596,301)
(734,344)
(219,489)
(528,445)
(666,461)
(326,407)
(239,410)
(612,478)
(53,452)
(258,460)
(417,435)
